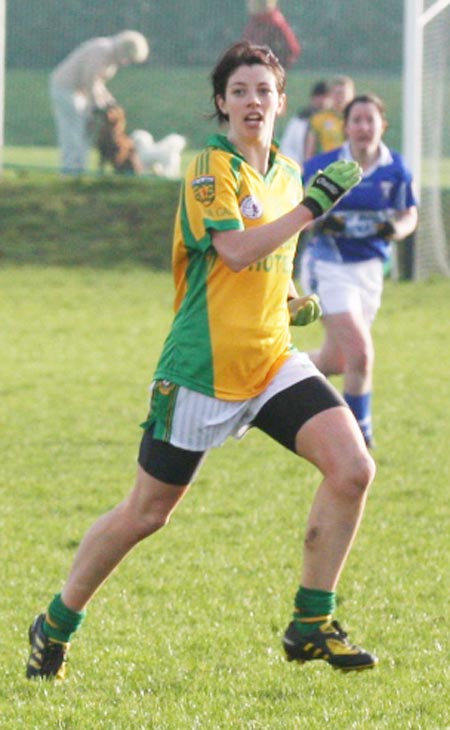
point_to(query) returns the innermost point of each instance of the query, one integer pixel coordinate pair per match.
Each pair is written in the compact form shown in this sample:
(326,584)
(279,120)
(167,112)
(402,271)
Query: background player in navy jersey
(344,259)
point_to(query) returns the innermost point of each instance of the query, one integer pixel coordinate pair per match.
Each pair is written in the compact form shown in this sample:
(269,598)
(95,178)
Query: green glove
(328,186)
(304,310)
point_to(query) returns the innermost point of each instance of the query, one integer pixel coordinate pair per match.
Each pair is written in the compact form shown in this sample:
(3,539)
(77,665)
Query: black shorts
(280,418)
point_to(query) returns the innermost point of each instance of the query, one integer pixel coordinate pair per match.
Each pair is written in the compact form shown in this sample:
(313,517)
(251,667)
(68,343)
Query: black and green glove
(329,185)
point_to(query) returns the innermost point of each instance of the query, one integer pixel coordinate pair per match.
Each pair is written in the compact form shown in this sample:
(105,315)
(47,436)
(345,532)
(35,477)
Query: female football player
(228,364)
(343,262)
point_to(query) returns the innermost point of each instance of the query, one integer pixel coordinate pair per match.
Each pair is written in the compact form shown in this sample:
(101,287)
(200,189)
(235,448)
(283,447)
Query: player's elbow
(406,224)
(233,254)
(235,264)
(413,219)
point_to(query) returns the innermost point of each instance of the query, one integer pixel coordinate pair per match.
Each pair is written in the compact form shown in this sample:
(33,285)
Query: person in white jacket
(78,89)
(293,140)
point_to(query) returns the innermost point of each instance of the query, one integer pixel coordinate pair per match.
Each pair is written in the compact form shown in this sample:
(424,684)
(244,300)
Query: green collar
(221,142)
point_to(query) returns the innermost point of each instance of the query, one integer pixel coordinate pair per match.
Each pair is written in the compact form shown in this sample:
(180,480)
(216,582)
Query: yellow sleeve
(212,193)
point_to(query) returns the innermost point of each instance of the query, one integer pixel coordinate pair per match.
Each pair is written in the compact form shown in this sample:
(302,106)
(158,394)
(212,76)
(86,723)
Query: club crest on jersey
(251,208)
(204,188)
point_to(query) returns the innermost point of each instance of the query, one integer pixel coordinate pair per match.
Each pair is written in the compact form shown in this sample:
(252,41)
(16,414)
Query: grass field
(187,633)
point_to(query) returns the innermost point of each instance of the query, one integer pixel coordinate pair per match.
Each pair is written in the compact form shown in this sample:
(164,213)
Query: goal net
(427,131)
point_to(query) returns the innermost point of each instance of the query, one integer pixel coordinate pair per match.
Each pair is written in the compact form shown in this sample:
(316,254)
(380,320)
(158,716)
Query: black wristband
(313,206)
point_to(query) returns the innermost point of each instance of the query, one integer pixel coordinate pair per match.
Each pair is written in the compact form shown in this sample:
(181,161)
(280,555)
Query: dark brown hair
(243,53)
(365,99)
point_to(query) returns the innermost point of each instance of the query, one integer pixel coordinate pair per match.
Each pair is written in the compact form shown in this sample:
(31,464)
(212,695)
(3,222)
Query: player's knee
(140,524)
(354,476)
(150,523)
(361,360)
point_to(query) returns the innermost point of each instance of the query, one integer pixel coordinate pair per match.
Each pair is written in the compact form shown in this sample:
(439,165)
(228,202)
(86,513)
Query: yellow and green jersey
(230,333)
(328,126)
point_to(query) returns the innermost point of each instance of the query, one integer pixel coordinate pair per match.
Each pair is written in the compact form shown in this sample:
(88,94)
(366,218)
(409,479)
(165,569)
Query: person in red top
(268,26)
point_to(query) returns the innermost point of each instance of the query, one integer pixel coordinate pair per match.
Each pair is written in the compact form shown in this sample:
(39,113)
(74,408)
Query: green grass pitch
(187,633)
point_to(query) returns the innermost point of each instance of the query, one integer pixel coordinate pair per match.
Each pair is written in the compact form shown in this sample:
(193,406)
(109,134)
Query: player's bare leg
(333,442)
(328,358)
(107,542)
(347,349)
(147,508)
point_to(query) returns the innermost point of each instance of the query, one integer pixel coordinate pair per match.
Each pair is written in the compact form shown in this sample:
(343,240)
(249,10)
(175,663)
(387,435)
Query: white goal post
(426,118)
(2,76)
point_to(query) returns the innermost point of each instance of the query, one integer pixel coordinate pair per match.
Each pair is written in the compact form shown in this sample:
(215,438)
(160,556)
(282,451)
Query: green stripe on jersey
(187,355)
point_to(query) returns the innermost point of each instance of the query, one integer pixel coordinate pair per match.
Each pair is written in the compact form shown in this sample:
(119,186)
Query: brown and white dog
(114,145)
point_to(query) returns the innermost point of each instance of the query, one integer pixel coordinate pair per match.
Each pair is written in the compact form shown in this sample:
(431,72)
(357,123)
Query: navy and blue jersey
(384,189)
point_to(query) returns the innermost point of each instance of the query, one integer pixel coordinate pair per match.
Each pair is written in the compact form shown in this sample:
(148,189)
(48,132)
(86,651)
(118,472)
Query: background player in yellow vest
(292,143)
(326,127)
(228,364)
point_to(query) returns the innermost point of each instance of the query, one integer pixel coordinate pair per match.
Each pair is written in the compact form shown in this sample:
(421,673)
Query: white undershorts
(344,287)
(201,422)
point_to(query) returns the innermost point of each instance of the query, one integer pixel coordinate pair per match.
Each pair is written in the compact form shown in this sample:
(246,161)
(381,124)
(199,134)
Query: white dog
(162,157)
